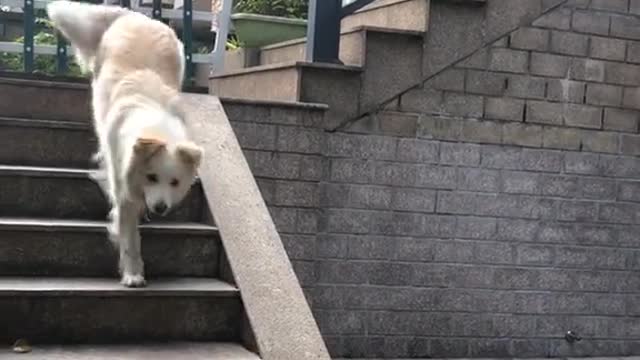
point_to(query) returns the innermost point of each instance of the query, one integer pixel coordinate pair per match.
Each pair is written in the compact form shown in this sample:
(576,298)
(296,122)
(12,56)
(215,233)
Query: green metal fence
(323,31)
(31,9)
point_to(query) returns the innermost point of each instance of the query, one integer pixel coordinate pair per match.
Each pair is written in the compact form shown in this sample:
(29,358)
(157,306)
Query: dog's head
(164,172)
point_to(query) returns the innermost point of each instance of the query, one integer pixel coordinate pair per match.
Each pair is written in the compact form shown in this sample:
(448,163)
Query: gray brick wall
(484,213)
(283,146)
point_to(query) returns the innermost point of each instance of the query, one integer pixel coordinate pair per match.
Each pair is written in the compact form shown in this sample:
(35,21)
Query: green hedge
(46,64)
(285,8)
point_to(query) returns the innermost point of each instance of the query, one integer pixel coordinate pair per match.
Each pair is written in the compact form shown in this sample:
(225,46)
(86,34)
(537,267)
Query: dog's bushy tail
(83,25)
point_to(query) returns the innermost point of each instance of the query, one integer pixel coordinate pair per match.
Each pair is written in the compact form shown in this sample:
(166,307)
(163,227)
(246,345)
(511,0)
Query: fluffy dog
(144,152)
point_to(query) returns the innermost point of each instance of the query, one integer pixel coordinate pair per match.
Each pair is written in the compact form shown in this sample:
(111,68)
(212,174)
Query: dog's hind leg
(100,177)
(113,227)
(99,104)
(83,25)
(131,264)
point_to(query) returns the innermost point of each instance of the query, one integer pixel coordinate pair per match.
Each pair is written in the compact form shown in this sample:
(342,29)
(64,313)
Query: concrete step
(351,49)
(21,109)
(352,46)
(335,85)
(65,193)
(53,247)
(290,81)
(46,143)
(392,16)
(412,15)
(349,91)
(35,99)
(93,310)
(157,351)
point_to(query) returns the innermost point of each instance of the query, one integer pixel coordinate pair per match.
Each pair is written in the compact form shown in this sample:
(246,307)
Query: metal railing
(323,32)
(62,50)
(323,29)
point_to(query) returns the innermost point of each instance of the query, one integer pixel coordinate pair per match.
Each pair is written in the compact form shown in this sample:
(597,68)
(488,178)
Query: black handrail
(156,9)
(323,31)
(29,25)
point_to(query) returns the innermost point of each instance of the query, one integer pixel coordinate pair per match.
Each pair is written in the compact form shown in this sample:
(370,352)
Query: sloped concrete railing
(281,320)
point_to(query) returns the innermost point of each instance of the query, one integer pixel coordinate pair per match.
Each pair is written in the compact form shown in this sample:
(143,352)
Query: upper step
(106,287)
(349,91)
(352,46)
(90,310)
(46,143)
(70,193)
(66,113)
(33,99)
(282,82)
(157,351)
(411,15)
(54,247)
(408,16)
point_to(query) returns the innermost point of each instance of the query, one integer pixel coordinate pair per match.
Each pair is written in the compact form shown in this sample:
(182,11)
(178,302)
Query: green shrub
(44,35)
(285,8)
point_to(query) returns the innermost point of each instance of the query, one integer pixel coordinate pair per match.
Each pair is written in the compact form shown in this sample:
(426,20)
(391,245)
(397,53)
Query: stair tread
(64,286)
(46,224)
(48,171)
(285,65)
(45,81)
(44,171)
(160,351)
(44,123)
(359,28)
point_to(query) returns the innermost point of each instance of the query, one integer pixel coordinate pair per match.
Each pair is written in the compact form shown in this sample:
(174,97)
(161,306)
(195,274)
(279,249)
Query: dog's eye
(174,182)
(152,178)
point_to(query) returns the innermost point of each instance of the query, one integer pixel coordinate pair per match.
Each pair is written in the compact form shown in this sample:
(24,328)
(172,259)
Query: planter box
(260,30)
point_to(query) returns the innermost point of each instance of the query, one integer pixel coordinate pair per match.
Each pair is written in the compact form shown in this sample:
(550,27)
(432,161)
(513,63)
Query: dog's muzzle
(160,208)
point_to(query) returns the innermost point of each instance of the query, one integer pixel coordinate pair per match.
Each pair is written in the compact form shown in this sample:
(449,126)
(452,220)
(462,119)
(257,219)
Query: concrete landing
(48,286)
(168,351)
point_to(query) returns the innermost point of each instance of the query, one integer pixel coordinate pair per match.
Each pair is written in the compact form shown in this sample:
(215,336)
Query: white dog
(145,154)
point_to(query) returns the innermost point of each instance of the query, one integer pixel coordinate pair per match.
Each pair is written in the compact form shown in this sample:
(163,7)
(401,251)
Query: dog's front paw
(133,281)
(98,157)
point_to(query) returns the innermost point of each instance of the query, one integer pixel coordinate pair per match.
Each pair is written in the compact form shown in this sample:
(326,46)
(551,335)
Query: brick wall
(283,144)
(483,214)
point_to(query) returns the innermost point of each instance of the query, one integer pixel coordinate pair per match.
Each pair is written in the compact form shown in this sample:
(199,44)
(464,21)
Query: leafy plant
(285,8)
(232,44)
(44,35)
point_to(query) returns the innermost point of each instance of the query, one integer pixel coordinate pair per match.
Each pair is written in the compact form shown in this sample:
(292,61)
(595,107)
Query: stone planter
(260,30)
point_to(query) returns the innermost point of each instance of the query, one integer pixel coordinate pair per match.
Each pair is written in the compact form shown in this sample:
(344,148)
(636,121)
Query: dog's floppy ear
(189,153)
(147,147)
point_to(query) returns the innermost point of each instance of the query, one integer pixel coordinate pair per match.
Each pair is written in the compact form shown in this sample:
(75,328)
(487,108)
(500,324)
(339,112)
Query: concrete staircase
(371,73)
(58,273)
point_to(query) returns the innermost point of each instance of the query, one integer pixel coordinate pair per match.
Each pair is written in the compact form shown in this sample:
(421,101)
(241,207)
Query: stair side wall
(484,213)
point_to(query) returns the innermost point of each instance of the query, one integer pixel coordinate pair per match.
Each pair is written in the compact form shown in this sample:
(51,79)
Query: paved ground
(562,358)
(174,351)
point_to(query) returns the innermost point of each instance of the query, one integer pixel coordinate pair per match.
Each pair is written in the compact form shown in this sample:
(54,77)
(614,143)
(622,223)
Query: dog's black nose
(160,208)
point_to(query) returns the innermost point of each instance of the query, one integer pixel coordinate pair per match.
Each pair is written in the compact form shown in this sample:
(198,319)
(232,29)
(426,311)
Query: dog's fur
(144,152)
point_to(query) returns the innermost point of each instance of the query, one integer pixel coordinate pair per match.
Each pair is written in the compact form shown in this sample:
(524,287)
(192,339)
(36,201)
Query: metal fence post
(224,21)
(157,9)
(187,38)
(29,24)
(61,55)
(323,31)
